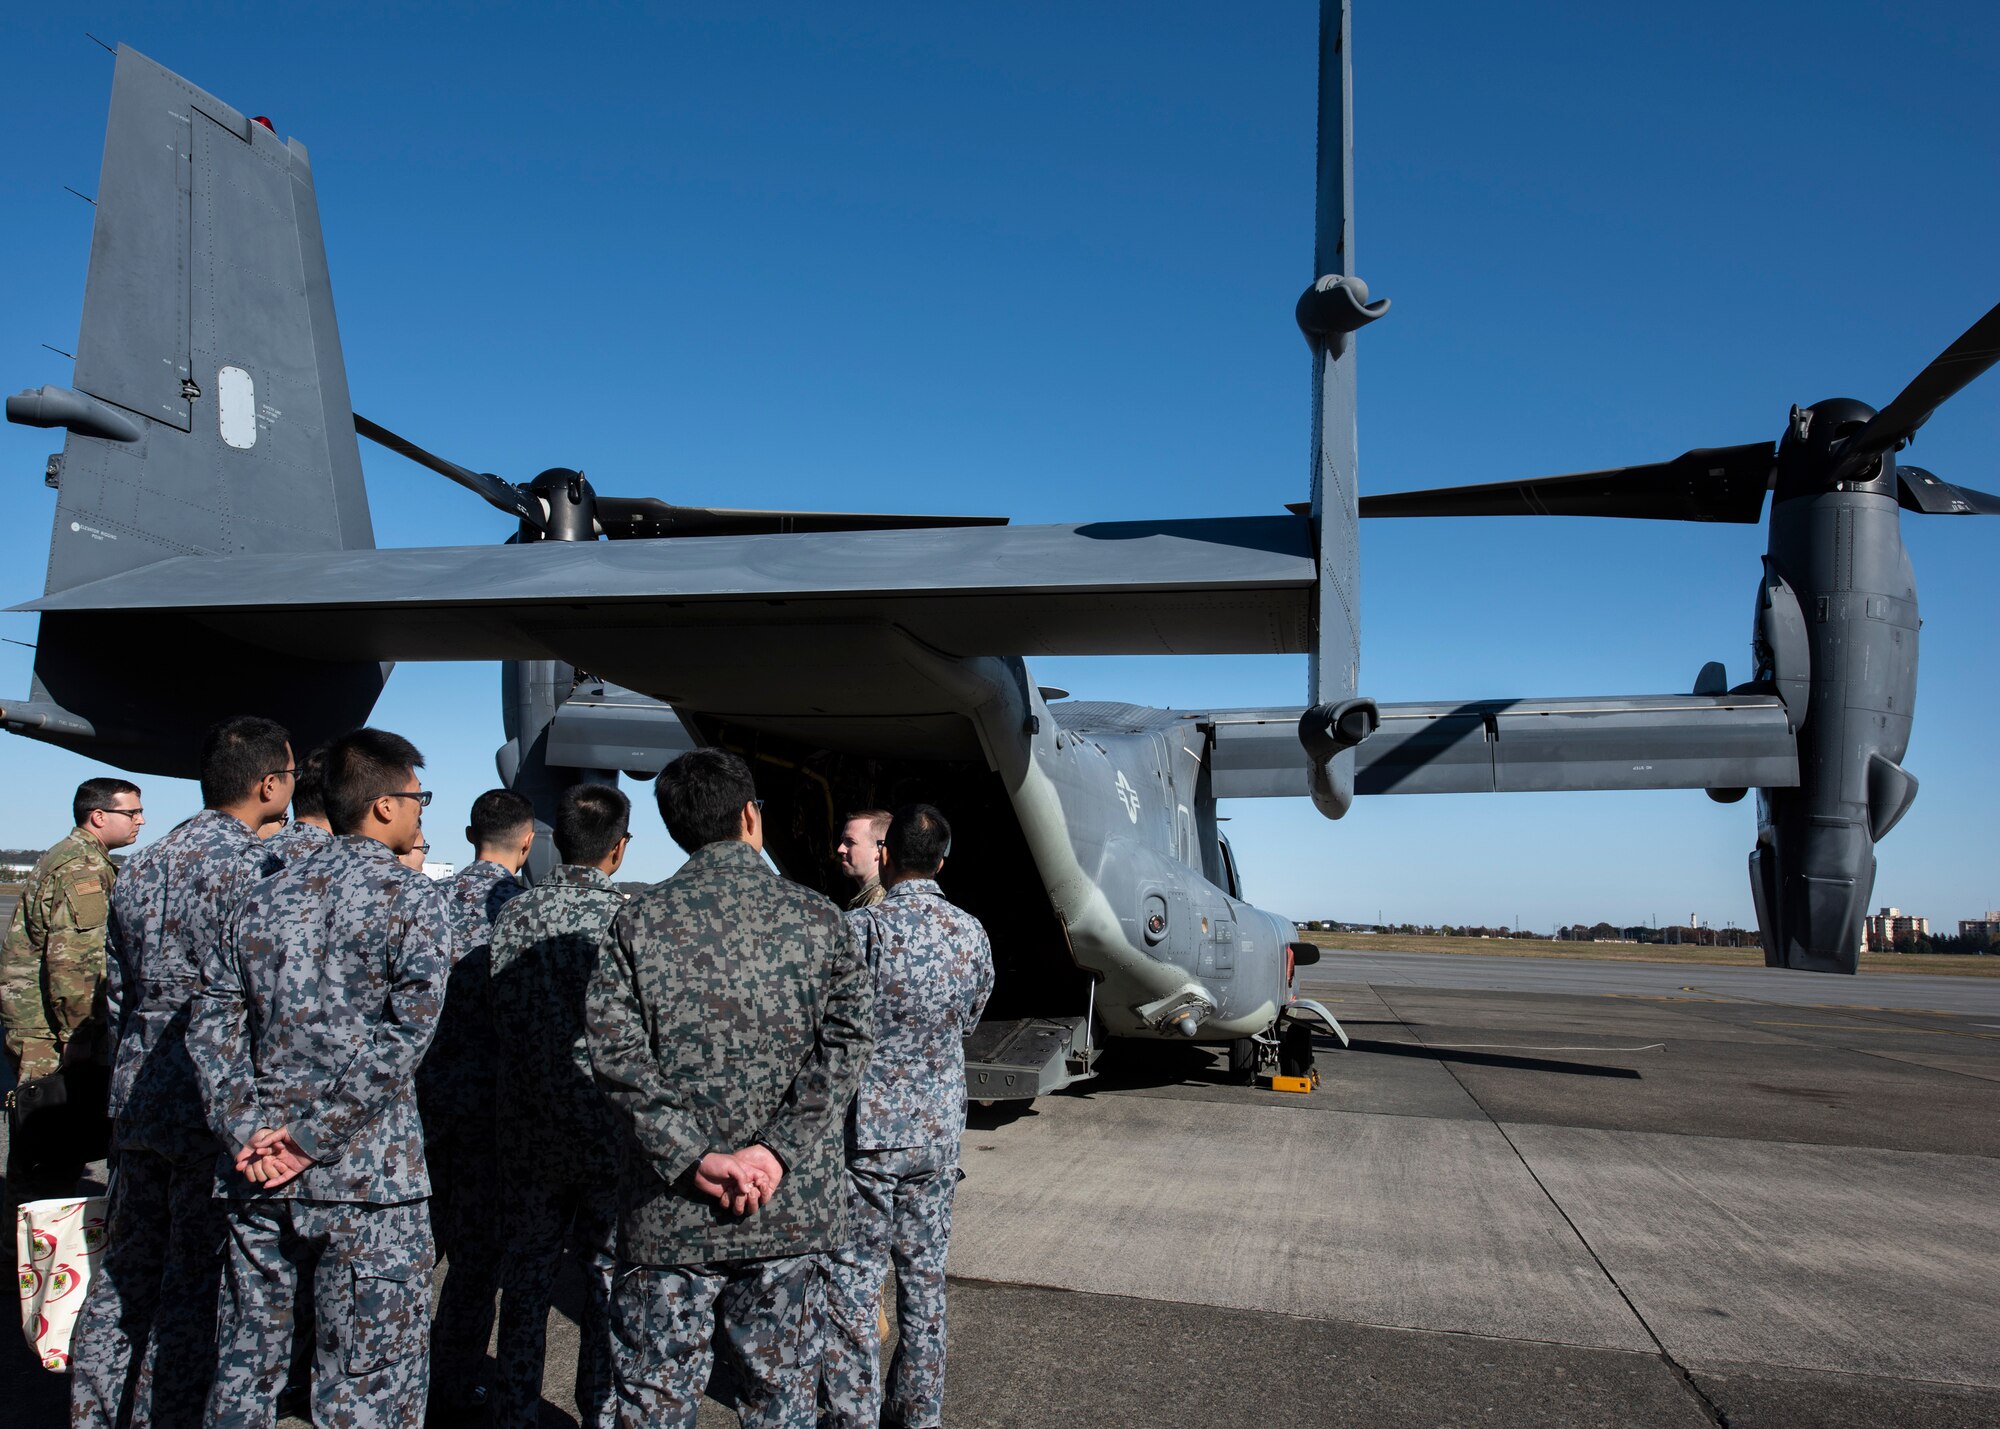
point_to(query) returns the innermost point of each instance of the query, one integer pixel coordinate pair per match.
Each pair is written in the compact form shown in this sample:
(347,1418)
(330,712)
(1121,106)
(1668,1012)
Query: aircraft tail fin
(1330,312)
(208,328)
(209,413)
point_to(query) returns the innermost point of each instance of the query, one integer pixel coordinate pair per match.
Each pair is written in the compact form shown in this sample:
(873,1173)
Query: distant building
(439,871)
(1882,929)
(1989,924)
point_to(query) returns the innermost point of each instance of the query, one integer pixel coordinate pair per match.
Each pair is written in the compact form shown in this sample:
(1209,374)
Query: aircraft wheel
(1295,1051)
(1243,1059)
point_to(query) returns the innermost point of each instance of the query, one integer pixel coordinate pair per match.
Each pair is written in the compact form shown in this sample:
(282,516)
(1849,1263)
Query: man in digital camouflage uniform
(859,854)
(932,968)
(559,1175)
(144,1346)
(52,967)
(455,1091)
(314,1012)
(308,832)
(727,1010)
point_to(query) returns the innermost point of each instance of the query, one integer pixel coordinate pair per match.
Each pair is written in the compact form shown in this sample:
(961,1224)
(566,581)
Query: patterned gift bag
(59,1244)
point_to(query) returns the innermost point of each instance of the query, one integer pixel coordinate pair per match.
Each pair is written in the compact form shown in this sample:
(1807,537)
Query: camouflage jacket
(166,916)
(933,969)
(296,841)
(456,1081)
(728,1007)
(558,1126)
(314,1012)
(868,895)
(52,965)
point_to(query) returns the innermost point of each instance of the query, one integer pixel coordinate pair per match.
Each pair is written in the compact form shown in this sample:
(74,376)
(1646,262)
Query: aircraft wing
(1732,741)
(1227,585)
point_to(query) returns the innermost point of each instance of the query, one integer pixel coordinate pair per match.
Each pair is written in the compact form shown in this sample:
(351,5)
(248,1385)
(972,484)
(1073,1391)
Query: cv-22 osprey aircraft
(209,496)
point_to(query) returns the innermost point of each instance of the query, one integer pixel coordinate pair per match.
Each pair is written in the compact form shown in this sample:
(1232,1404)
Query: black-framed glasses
(420,848)
(758,805)
(422,796)
(128,813)
(281,773)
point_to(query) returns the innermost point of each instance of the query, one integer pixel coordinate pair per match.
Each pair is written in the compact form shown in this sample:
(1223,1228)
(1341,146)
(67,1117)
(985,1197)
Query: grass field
(1637,953)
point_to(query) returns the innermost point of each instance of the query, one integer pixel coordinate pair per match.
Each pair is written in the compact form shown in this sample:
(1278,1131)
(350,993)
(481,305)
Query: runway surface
(1618,1195)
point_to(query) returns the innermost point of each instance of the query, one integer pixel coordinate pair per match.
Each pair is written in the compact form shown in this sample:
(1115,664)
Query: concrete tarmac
(1686,1200)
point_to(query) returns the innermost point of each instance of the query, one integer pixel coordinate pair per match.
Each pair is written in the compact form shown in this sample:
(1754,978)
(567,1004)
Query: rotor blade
(1707,484)
(499,493)
(1975,351)
(642,517)
(1918,490)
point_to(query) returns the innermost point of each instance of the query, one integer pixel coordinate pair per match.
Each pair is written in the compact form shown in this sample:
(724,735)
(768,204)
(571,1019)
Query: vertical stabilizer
(1332,310)
(209,416)
(208,314)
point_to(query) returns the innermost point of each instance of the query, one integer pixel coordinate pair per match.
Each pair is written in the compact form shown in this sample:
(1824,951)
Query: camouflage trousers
(145,1343)
(543,1218)
(898,1209)
(465,1214)
(666,1318)
(370,1271)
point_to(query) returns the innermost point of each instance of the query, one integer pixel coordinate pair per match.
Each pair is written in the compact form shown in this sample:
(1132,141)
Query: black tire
(1243,1059)
(1295,1051)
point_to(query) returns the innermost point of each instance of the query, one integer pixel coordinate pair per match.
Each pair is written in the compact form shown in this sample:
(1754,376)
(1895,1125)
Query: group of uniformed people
(733,1105)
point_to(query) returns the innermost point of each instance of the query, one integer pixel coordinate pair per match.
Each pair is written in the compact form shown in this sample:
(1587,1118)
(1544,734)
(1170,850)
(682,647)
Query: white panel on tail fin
(236,407)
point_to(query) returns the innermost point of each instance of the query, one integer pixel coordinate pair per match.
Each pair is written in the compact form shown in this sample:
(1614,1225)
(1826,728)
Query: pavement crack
(1709,1408)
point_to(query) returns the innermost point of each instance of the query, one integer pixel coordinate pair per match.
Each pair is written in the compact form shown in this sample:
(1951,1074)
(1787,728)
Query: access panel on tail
(209,415)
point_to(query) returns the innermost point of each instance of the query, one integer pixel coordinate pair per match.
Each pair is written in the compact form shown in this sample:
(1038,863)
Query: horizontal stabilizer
(1709,484)
(1231,585)
(643,517)
(606,727)
(1516,746)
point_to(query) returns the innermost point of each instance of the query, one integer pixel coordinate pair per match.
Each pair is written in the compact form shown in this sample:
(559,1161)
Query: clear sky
(1040,260)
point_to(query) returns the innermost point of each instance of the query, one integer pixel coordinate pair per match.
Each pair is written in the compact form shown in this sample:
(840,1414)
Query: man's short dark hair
(498,817)
(309,793)
(97,794)
(701,796)
(360,768)
(590,821)
(919,838)
(236,753)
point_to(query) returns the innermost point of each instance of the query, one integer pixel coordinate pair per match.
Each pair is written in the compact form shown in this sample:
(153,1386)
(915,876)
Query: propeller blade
(1975,351)
(501,494)
(627,517)
(1918,490)
(1707,484)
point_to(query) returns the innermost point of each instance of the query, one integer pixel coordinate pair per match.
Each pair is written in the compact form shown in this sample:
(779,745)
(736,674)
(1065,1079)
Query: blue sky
(1040,260)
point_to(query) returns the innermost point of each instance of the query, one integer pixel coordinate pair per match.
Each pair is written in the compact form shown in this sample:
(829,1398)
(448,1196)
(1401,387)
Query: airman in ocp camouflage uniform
(52,964)
(859,854)
(456,1087)
(315,1010)
(564,1140)
(933,970)
(727,1010)
(144,1347)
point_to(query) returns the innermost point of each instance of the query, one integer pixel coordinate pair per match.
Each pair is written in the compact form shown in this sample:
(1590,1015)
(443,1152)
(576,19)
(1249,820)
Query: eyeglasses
(858,843)
(280,773)
(758,805)
(128,813)
(422,796)
(420,848)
